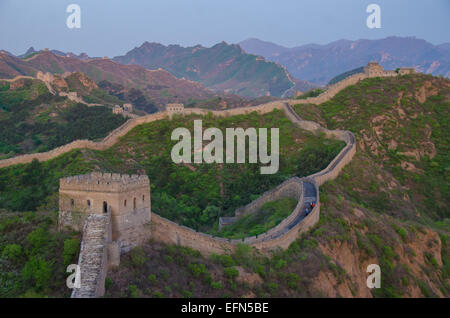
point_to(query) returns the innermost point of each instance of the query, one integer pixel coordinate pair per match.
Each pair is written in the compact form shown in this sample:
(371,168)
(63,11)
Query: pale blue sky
(112,27)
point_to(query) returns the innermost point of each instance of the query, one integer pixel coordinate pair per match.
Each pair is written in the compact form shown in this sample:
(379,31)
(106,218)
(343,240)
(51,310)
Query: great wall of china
(96,255)
(48,79)
(304,190)
(114,136)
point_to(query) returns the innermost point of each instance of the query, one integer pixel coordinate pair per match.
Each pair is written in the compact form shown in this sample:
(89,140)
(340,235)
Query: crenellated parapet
(103,182)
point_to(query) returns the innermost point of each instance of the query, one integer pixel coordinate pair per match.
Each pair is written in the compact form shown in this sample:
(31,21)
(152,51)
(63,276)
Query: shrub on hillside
(71,247)
(38,271)
(138,257)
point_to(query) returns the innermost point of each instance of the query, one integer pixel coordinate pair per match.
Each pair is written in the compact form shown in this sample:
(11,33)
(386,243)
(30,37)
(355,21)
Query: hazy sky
(113,27)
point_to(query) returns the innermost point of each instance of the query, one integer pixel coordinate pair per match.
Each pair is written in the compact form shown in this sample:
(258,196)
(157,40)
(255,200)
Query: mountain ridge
(159,85)
(223,68)
(319,63)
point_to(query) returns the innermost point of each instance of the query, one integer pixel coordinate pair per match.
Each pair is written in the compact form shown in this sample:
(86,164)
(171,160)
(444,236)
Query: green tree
(71,247)
(39,271)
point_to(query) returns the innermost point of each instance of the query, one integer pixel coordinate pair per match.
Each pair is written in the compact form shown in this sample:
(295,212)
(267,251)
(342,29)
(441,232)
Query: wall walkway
(93,259)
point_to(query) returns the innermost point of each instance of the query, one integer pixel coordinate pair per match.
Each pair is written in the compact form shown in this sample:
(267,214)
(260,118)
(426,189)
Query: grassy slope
(269,216)
(403,136)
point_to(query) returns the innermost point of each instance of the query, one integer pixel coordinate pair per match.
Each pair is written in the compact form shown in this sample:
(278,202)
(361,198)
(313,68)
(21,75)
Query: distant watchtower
(406,70)
(172,109)
(373,69)
(125,197)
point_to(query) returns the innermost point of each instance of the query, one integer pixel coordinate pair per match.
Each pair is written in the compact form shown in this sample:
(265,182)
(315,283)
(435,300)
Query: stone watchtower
(126,198)
(373,69)
(172,109)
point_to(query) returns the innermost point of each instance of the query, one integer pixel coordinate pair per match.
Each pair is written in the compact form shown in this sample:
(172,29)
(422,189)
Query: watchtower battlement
(373,69)
(172,109)
(104,182)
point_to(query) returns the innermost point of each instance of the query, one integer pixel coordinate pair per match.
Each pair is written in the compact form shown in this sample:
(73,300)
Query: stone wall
(169,232)
(114,136)
(93,258)
(292,188)
(344,156)
(289,189)
(333,89)
(286,238)
(107,142)
(281,236)
(98,251)
(341,160)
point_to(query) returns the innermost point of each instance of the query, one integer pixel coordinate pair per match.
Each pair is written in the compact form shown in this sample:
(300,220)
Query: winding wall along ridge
(93,259)
(96,233)
(114,136)
(288,230)
(169,231)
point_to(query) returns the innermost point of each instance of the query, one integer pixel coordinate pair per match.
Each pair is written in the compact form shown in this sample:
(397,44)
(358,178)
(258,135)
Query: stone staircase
(93,256)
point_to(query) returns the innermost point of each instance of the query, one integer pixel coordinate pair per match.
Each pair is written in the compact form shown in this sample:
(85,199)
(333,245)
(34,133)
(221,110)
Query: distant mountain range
(254,68)
(31,51)
(320,63)
(158,85)
(222,68)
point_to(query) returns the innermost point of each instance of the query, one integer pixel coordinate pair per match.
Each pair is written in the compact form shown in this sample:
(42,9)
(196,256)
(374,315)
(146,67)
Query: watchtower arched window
(88,203)
(72,202)
(125,203)
(105,207)
(143,198)
(134,203)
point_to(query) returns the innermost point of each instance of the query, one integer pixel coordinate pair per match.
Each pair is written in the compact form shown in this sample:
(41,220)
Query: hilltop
(400,123)
(222,68)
